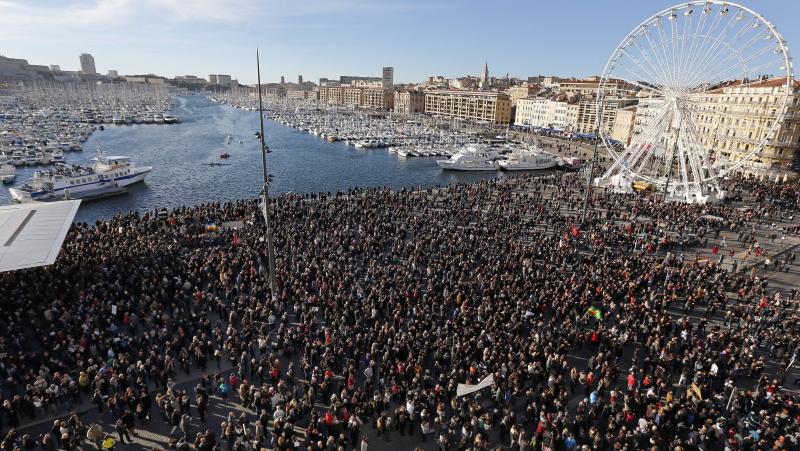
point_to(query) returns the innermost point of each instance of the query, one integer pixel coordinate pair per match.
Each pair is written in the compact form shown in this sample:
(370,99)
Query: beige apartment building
(378,99)
(733,120)
(296,94)
(493,107)
(646,111)
(409,102)
(353,96)
(367,83)
(589,86)
(356,96)
(622,130)
(330,95)
(521,92)
(587,114)
(273,91)
(336,95)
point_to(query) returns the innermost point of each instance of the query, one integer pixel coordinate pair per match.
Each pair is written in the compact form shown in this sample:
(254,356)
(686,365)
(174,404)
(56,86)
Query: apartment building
(378,99)
(570,116)
(357,96)
(732,121)
(493,107)
(547,113)
(219,79)
(331,95)
(589,86)
(622,129)
(521,92)
(353,96)
(587,113)
(409,102)
(296,94)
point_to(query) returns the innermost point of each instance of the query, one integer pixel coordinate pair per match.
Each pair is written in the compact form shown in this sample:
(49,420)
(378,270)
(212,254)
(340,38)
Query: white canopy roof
(31,234)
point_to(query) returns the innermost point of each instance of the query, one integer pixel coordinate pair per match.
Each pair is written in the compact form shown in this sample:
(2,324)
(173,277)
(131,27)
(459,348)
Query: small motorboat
(225,155)
(8,173)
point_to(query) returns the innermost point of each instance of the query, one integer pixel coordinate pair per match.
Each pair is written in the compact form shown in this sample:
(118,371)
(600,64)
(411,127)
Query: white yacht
(31,158)
(107,174)
(473,159)
(8,173)
(366,144)
(44,158)
(528,160)
(57,156)
(17,158)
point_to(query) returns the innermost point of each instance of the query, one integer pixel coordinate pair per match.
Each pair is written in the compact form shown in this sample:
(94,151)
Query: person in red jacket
(631,381)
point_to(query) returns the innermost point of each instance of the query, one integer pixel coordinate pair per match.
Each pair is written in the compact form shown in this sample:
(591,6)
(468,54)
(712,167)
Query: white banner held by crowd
(465,389)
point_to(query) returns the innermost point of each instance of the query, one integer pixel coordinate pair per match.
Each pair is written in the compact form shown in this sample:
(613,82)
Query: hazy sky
(328,38)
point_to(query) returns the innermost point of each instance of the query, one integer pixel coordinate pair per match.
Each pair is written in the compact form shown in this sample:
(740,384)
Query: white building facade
(546,113)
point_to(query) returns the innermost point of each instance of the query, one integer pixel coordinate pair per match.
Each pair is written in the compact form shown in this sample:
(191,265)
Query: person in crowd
(610,332)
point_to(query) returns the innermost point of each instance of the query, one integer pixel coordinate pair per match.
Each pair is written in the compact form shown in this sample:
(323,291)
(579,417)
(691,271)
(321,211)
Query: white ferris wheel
(677,67)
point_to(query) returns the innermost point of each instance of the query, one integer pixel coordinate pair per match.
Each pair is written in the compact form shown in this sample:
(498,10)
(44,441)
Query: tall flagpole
(273,289)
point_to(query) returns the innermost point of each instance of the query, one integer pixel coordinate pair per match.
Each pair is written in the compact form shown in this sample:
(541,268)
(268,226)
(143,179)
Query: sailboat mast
(265,200)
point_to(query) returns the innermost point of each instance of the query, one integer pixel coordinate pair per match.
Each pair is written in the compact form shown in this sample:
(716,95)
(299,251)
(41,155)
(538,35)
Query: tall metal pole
(273,288)
(589,175)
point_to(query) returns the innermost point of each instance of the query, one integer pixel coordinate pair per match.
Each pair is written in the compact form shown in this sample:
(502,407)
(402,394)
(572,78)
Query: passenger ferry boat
(108,174)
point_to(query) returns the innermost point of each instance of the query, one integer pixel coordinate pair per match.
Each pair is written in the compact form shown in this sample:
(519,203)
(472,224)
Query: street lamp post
(273,289)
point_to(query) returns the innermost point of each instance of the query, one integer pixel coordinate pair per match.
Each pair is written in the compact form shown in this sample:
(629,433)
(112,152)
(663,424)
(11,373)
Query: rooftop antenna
(265,192)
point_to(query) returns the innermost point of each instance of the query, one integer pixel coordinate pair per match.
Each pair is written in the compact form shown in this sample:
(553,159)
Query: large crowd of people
(598,334)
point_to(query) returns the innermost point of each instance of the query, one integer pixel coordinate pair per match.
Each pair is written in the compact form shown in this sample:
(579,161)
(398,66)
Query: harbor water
(179,154)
